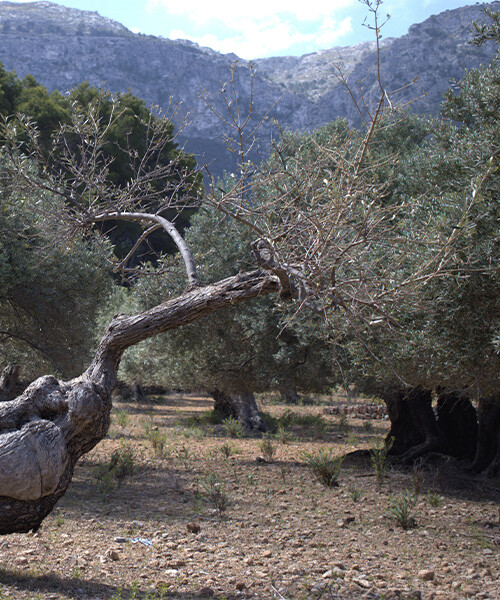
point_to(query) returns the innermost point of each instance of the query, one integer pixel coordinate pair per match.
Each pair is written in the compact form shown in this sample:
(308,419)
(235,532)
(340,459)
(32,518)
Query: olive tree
(447,340)
(232,354)
(50,294)
(322,239)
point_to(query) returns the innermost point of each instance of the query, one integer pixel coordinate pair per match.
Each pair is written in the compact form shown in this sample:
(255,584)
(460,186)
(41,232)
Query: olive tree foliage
(50,294)
(250,348)
(323,238)
(448,338)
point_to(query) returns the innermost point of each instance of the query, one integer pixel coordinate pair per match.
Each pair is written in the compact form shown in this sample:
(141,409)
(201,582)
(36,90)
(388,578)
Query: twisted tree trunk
(242,407)
(456,430)
(53,423)
(9,382)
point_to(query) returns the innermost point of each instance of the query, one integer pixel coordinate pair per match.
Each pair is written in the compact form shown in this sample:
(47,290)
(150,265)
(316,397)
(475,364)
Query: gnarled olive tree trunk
(9,382)
(487,455)
(455,428)
(53,423)
(240,406)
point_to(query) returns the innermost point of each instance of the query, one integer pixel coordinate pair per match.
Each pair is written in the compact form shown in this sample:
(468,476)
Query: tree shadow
(78,588)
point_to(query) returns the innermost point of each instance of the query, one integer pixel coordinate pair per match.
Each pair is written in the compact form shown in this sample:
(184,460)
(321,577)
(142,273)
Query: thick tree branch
(168,226)
(125,331)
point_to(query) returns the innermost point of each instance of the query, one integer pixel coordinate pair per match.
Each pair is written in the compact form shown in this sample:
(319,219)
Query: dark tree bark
(9,382)
(457,420)
(404,432)
(487,456)
(456,431)
(53,423)
(289,395)
(137,393)
(413,423)
(240,406)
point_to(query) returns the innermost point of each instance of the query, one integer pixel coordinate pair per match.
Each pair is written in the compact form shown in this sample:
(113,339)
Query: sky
(262,28)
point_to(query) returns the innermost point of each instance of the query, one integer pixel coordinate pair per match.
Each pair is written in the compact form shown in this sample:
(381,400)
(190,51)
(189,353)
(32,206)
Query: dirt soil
(154,533)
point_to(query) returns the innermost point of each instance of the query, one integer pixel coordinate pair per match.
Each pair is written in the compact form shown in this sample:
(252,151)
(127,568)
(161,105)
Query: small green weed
(227,450)
(233,428)
(282,435)
(355,493)
(184,455)
(106,475)
(59,520)
(401,510)
(158,441)
(267,448)
(433,499)
(122,462)
(213,492)
(104,479)
(343,424)
(324,465)
(378,457)
(122,417)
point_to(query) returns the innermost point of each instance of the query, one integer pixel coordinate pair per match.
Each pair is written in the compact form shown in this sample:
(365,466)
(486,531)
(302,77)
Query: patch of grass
(433,499)
(122,417)
(417,479)
(267,448)
(104,479)
(158,441)
(355,493)
(368,426)
(378,457)
(227,450)
(282,435)
(233,428)
(122,462)
(271,422)
(208,417)
(196,433)
(401,510)
(59,520)
(107,475)
(313,426)
(324,465)
(343,424)
(213,492)
(184,455)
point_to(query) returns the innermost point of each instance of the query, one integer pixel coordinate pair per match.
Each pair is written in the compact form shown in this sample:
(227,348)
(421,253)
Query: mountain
(62,47)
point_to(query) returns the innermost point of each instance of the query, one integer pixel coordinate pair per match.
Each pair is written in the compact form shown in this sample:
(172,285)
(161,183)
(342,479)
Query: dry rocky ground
(283,535)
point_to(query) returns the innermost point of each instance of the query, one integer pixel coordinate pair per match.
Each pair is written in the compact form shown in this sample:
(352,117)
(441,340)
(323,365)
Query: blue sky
(259,28)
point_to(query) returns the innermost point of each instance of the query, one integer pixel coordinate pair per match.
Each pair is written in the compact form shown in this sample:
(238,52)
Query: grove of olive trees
(398,257)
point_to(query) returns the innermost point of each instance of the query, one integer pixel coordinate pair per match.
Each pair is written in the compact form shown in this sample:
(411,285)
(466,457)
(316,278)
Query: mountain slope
(57,45)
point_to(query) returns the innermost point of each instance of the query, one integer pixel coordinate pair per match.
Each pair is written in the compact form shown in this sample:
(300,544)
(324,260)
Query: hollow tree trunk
(53,423)
(458,431)
(240,406)
(413,424)
(9,382)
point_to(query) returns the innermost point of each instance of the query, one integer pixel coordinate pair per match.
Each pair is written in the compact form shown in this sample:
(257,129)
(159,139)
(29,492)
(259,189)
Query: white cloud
(202,12)
(259,28)
(255,40)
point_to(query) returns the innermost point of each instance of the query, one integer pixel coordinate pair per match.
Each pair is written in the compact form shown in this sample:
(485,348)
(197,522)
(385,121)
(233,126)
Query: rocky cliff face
(62,47)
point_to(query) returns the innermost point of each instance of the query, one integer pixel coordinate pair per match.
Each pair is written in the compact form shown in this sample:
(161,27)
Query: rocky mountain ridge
(57,45)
